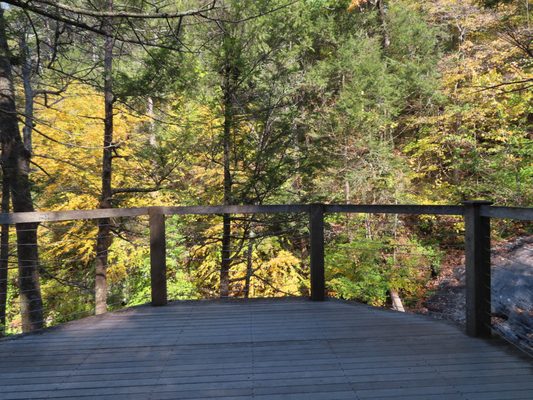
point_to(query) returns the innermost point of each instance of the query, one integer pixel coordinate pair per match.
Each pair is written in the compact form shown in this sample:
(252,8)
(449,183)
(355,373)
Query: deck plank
(261,349)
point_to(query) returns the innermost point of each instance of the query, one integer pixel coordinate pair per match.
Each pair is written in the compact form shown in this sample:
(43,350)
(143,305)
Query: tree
(104,225)
(4,253)
(14,158)
(249,52)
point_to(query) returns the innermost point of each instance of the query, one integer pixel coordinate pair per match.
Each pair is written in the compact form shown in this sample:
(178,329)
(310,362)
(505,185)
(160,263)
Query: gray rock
(512,293)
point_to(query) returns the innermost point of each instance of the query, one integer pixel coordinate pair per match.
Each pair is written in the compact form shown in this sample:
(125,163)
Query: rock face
(512,293)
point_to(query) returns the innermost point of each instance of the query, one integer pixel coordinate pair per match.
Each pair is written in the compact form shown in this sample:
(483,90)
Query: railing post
(158,262)
(477,263)
(316,232)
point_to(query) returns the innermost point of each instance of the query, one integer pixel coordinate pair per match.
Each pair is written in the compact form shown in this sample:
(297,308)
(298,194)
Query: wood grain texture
(56,216)
(260,349)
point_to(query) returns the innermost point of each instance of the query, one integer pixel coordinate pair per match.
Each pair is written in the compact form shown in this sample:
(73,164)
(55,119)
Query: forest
(135,103)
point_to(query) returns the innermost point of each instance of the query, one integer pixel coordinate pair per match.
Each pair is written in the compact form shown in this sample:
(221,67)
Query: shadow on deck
(261,349)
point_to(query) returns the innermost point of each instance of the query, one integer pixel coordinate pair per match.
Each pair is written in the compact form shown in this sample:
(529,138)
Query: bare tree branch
(34,4)
(79,23)
(519,82)
(135,190)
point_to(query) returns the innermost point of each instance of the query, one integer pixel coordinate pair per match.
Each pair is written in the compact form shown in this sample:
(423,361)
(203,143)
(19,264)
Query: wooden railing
(476,214)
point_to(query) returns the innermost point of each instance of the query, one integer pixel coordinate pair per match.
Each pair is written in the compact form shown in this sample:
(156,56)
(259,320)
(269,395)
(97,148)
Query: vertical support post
(477,262)
(316,232)
(158,261)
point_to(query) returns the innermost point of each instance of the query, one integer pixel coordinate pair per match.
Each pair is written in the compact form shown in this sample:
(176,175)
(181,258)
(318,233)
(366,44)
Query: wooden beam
(158,258)
(519,213)
(412,209)
(238,209)
(316,232)
(478,274)
(57,216)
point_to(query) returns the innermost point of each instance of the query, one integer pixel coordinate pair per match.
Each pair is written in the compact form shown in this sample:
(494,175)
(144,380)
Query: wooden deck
(261,349)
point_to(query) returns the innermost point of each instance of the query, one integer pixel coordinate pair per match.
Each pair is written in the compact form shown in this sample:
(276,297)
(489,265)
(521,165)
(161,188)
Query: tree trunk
(103,240)
(382,8)
(151,125)
(14,158)
(396,301)
(347,189)
(394,294)
(4,255)
(28,96)
(226,229)
(230,75)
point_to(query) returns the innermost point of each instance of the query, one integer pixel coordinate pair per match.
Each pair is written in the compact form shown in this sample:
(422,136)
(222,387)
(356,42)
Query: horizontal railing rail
(74,215)
(411,209)
(517,213)
(476,214)
(239,209)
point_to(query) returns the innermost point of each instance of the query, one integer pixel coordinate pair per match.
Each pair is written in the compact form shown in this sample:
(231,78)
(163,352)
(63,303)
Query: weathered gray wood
(316,252)
(260,349)
(519,213)
(56,216)
(158,263)
(237,209)
(477,263)
(412,209)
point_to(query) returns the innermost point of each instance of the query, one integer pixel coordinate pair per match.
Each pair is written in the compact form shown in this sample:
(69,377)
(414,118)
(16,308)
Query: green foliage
(155,74)
(321,107)
(354,272)
(366,268)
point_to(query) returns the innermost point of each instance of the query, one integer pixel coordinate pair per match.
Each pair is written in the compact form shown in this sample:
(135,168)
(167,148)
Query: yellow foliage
(485,117)
(283,260)
(356,3)
(68,148)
